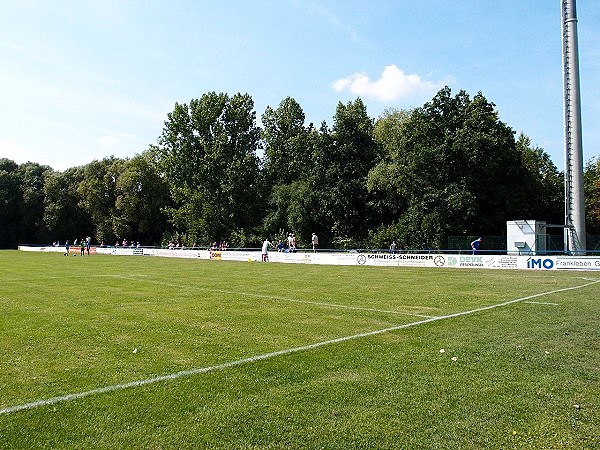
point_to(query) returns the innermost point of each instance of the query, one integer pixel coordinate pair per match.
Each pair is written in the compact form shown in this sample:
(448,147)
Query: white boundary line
(542,303)
(187,373)
(336,305)
(271,297)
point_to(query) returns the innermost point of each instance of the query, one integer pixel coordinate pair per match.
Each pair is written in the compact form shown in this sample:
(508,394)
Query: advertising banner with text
(430,260)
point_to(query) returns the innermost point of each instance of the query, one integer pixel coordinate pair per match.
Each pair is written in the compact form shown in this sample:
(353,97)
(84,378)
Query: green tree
(97,193)
(592,196)
(388,133)
(22,204)
(287,171)
(343,158)
(452,168)
(544,184)
(293,209)
(10,200)
(141,194)
(285,143)
(32,180)
(63,215)
(207,152)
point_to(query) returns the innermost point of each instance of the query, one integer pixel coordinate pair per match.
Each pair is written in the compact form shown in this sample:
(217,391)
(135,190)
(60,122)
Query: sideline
(186,373)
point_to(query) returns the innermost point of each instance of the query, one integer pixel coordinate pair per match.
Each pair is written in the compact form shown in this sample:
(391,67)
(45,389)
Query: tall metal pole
(574,197)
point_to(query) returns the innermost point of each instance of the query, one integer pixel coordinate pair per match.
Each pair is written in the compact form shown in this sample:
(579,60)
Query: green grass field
(510,376)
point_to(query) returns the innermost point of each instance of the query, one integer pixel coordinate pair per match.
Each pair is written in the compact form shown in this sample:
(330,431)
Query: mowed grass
(71,325)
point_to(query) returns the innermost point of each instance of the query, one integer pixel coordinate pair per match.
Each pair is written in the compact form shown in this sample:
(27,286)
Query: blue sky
(82,80)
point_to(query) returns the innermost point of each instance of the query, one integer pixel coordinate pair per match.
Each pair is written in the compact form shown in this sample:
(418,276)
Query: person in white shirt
(265,250)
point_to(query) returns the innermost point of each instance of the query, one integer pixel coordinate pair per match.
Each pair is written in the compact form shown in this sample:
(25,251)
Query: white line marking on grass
(187,373)
(333,305)
(542,303)
(273,297)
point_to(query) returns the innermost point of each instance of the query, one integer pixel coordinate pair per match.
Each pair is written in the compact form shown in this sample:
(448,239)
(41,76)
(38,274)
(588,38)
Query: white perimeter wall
(365,259)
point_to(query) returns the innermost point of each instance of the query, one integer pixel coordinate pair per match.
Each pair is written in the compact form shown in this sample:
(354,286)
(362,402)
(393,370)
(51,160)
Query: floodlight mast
(575,241)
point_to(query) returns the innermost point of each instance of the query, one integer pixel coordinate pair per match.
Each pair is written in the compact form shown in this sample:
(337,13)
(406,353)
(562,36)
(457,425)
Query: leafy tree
(207,152)
(63,214)
(288,171)
(97,193)
(545,184)
(494,175)
(10,199)
(141,193)
(452,168)
(388,133)
(388,130)
(592,196)
(285,136)
(343,159)
(22,203)
(32,180)
(293,209)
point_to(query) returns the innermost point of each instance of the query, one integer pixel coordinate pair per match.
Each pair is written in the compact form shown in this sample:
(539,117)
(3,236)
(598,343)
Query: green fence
(593,244)
(492,244)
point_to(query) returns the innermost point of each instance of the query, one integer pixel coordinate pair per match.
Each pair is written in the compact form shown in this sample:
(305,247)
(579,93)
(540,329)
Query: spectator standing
(314,241)
(475,245)
(393,247)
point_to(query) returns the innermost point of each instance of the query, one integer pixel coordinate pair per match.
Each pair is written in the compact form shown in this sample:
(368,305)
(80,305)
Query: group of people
(291,245)
(223,246)
(126,243)
(84,245)
(291,239)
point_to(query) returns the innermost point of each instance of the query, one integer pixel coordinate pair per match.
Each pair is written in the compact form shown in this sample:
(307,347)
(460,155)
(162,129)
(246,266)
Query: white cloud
(393,85)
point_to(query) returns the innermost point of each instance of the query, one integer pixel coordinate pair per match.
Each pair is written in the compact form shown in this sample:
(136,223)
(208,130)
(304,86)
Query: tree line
(448,168)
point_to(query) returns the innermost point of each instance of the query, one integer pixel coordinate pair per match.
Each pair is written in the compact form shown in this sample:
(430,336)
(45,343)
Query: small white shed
(526,237)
